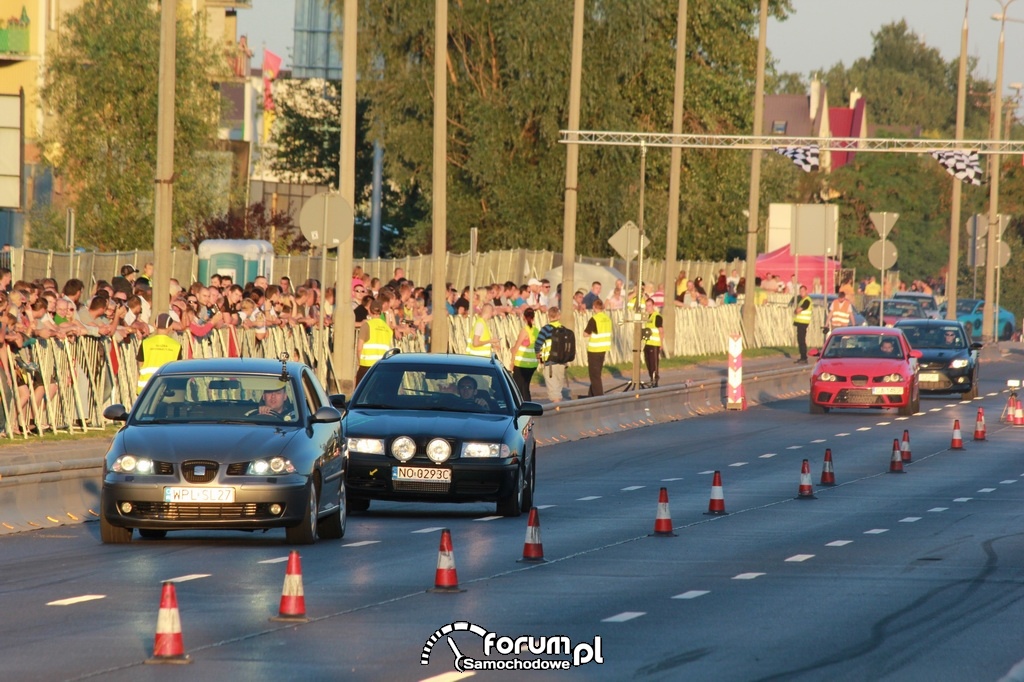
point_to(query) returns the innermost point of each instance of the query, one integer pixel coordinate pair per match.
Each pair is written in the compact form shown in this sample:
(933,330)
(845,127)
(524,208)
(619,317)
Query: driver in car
(467,391)
(275,403)
(888,348)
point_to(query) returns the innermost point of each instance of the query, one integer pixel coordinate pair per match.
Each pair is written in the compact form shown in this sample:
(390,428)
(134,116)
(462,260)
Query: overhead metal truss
(770,142)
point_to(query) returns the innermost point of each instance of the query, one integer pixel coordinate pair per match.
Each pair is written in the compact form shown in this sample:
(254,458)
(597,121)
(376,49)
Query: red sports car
(865,367)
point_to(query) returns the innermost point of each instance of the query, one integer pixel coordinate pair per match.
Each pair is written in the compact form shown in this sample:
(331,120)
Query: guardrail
(42,491)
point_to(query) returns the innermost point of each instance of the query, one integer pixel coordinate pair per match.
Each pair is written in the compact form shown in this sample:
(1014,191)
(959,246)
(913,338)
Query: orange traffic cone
(828,476)
(806,491)
(293,598)
(663,520)
(717,503)
(1018,414)
(896,463)
(168,646)
(905,448)
(958,439)
(446,579)
(979,425)
(533,549)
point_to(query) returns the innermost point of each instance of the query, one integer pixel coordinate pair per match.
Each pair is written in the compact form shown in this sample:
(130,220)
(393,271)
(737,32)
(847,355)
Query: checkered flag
(963,166)
(804,157)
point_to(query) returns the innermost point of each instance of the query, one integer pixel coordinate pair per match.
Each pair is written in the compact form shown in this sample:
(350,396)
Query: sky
(817,35)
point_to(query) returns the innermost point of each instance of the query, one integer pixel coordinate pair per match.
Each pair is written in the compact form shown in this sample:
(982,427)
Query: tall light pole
(989,316)
(1010,105)
(749,299)
(164,199)
(954,223)
(439,325)
(572,157)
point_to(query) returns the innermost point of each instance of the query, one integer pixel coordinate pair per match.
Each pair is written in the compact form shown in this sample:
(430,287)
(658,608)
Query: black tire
(113,535)
(152,534)
(332,526)
(1007,333)
(973,393)
(511,505)
(358,504)
(304,532)
(815,408)
(531,483)
(911,408)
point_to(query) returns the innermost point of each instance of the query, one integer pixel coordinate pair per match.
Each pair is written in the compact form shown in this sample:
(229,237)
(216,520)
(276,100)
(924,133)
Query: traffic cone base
(806,490)
(828,476)
(896,463)
(445,578)
(716,506)
(958,440)
(168,646)
(533,548)
(293,599)
(663,519)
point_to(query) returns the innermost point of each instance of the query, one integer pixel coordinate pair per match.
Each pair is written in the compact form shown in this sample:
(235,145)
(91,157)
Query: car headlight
(403,448)
(438,450)
(827,376)
(485,450)
(130,464)
(893,378)
(959,364)
(369,446)
(274,465)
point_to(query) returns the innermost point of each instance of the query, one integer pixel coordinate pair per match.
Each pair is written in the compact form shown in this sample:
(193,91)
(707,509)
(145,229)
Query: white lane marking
(669,480)
(623,617)
(692,594)
(432,529)
(876,531)
(902,419)
(992,394)
(938,509)
(588,498)
(794,447)
(708,473)
(631,487)
(838,543)
(186,578)
(362,543)
(987,490)
(545,506)
(796,558)
(883,423)
(935,409)
(769,455)
(951,405)
(747,576)
(965,402)
(963,499)
(818,440)
(448,677)
(738,464)
(864,428)
(488,518)
(278,560)
(843,435)
(1008,481)
(910,519)
(76,600)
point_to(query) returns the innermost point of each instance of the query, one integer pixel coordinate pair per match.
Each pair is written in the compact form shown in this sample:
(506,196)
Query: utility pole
(572,160)
(439,295)
(953,269)
(164,196)
(749,297)
(672,228)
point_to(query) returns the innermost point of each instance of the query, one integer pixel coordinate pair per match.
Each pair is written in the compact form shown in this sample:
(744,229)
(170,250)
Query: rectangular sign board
(11,151)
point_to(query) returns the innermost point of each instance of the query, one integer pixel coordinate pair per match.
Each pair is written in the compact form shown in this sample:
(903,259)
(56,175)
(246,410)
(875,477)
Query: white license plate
(420,474)
(929,376)
(887,390)
(221,495)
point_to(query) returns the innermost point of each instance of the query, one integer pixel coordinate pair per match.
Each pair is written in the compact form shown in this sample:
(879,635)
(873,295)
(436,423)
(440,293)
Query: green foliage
(256,222)
(101,82)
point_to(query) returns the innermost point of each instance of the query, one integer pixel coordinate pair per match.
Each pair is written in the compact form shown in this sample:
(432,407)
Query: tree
(101,83)
(256,222)
(508,78)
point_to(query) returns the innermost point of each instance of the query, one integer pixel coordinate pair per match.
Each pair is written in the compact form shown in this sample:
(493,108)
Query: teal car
(971,311)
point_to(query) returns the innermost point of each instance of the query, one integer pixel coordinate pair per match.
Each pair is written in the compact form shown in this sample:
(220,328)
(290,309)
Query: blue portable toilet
(242,259)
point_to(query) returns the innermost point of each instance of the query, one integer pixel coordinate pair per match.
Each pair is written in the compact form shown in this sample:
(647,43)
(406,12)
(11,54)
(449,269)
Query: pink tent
(806,268)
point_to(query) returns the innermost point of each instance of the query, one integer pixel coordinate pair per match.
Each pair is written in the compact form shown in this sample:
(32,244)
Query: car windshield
(448,389)
(949,337)
(903,308)
(863,346)
(255,398)
(965,306)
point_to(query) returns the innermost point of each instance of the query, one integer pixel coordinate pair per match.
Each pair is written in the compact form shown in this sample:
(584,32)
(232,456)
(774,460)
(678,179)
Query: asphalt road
(915,576)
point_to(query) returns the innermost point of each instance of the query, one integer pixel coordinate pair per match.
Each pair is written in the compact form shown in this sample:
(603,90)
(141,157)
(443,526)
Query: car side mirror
(529,409)
(916,354)
(326,415)
(116,413)
(813,352)
(338,401)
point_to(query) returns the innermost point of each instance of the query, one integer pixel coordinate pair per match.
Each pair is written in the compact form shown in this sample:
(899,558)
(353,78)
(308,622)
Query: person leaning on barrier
(156,350)
(375,339)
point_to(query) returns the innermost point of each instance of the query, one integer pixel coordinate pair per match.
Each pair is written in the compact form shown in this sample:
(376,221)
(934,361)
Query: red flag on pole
(271,67)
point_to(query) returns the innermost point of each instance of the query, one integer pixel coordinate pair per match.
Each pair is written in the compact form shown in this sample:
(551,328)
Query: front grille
(172,511)
(859,380)
(422,486)
(859,397)
(207,470)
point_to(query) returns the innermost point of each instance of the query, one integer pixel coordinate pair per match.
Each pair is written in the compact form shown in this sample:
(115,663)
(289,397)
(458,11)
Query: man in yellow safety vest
(652,340)
(479,341)
(801,320)
(156,350)
(598,334)
(375,338)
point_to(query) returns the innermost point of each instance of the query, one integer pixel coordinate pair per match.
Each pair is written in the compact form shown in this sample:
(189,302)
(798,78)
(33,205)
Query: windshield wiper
(373,406)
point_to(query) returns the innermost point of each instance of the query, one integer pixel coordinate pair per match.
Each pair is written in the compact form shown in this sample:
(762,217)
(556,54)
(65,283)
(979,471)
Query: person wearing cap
(156,350)
(129,272)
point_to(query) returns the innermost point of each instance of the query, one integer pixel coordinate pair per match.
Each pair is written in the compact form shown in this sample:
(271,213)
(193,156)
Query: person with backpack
(598,334)
(555,347)
(524,362)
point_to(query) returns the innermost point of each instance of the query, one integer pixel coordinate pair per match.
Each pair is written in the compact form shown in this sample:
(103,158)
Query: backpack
(563,346)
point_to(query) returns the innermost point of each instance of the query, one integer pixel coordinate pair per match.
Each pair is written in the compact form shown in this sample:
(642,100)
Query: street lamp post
(954,224)
(1010,105)
(989,317)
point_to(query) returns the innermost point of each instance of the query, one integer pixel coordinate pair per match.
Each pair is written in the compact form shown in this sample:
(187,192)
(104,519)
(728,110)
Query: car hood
(423,423)
(848,366)
(943,354)
(222,442)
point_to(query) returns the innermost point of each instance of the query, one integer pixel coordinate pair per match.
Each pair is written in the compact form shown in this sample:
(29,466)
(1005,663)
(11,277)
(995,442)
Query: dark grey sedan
(226,444)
